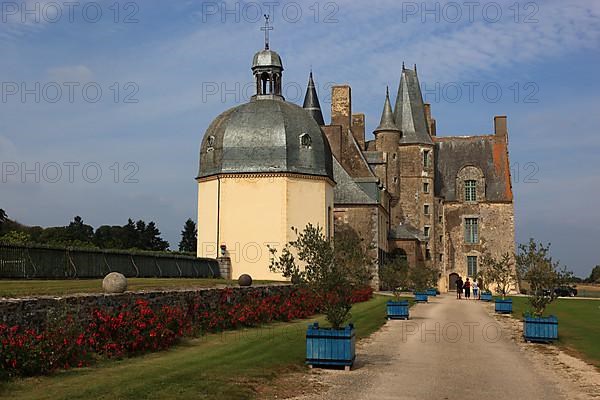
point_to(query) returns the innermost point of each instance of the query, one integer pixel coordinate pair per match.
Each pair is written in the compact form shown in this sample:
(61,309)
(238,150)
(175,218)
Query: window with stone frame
(471,190)
(472,266)
(471,230)
(426,209)
(427,252)
(426,161)
(470,185)
(425,187)
(426,231)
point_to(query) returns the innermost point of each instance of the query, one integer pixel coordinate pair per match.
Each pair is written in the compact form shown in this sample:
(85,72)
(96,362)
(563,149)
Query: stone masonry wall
(34,312)
(496,233)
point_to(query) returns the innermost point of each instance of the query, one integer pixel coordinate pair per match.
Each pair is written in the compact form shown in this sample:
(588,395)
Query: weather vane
(266,29)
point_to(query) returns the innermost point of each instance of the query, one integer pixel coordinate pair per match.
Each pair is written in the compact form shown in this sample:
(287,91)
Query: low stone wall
(34,312)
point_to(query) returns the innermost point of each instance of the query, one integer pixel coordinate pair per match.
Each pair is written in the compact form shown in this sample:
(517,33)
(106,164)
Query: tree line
(134,235)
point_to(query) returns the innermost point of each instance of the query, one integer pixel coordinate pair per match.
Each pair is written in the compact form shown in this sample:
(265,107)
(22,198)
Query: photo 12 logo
(53,12)
(253,12)
(68,92)
(471,92)
(454,12)
(68,172)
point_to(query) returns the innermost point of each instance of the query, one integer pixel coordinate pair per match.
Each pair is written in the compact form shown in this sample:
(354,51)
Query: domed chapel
(265,167)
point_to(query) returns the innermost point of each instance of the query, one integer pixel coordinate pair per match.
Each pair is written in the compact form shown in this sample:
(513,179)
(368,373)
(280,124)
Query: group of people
(464,287)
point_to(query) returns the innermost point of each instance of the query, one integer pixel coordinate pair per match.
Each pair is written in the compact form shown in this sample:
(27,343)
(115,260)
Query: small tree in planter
(535,265)
(394,276)
(502,273)
(422,277)
(484,278)
(331,284)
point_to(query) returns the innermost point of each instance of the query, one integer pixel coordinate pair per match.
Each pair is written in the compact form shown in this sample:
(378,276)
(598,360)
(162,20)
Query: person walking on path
(467,287)
(475,290)
(459,288)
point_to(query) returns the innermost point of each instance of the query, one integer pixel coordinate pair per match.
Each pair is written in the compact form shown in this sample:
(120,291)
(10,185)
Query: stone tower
(417,207)
(387,141)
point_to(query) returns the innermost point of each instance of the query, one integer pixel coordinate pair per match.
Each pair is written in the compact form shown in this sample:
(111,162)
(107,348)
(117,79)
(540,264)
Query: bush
(66,342)
(320,271)
(535,265)
(394,275)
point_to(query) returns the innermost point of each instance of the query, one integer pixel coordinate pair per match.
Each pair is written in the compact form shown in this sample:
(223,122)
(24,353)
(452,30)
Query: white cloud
(71,73)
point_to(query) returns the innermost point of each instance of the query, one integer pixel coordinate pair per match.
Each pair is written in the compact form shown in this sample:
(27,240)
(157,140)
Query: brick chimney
(500,126)
(341,107)
(430,121)
(358,129)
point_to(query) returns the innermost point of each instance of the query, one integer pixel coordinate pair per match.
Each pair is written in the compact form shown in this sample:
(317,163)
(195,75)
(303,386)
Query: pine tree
(3,219)
(189,237)
(152,237)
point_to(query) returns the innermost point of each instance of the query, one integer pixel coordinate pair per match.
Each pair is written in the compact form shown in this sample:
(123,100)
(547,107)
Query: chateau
(270,165)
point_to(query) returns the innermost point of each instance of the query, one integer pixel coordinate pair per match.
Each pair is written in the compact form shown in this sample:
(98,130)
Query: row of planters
(65,342)
(535,266)
(396,274)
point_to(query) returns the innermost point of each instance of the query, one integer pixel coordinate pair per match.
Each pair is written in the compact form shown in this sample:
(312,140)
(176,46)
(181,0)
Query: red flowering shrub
(28,352)
(129,330)
(361,295)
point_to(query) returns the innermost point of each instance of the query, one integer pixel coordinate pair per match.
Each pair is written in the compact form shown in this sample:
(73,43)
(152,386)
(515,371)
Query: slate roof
(346,190)
(488,153)
(311,102)
(409,111)
(406,232)
(387,117)
(374,157)
(264,136)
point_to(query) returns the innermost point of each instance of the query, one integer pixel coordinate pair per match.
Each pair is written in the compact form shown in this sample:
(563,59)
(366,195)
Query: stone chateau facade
(441,201)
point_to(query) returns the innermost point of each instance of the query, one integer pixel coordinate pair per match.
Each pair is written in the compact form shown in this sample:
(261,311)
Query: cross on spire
(266,29)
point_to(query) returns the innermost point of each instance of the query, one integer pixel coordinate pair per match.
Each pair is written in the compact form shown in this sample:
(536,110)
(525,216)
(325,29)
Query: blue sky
(166,70)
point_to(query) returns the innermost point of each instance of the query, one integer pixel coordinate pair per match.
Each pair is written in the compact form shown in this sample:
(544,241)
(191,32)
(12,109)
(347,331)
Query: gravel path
(449,349)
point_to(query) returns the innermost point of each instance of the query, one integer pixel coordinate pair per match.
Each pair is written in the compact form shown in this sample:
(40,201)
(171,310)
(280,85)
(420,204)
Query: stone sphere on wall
(114,282)
(245,280)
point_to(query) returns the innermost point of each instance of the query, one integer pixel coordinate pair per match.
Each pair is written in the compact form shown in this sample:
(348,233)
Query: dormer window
(305,141)
(210,143)
(471,190)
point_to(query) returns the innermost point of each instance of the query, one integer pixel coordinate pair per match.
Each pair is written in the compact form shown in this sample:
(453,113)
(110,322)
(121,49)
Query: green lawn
(19,288)
(578,324)
(228,366)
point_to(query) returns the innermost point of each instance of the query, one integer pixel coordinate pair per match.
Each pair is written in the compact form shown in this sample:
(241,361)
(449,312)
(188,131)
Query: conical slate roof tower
(311,101)
(409,112)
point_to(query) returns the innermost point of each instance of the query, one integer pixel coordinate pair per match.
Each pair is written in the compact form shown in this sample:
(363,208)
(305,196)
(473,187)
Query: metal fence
(18,262)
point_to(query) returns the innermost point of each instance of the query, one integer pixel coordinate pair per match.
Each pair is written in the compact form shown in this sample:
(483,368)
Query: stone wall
(370,224)
(496,233)
(34,312)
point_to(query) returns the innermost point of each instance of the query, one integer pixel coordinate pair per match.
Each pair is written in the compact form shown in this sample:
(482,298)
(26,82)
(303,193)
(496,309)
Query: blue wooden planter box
(397,309)
(504,306)
(486,296)
(431,292)
(421,297)
(540,329)
(330,347)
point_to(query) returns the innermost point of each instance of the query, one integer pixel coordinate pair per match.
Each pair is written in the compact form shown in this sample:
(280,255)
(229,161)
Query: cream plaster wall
(256,212)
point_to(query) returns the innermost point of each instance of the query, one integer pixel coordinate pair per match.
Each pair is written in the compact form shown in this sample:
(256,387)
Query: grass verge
(232,365)
(578,324)
(21,288)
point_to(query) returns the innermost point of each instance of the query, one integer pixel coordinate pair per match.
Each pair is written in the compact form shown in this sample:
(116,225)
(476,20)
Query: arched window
(305,141)
(470,185)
